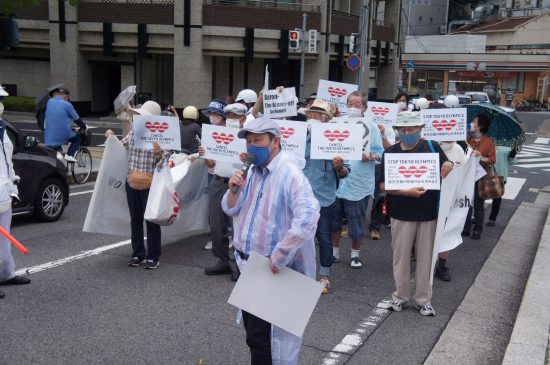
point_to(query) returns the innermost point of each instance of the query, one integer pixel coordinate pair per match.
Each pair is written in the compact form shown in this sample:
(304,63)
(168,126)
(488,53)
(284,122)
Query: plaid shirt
(139,159)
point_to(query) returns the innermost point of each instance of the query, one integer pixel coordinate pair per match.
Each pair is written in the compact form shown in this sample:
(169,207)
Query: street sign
(353,62)
(312,41)
(410,64)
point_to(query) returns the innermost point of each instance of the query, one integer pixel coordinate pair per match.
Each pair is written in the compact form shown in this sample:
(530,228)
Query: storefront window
(521,82)
(435,84)
(418,83)
(509,83)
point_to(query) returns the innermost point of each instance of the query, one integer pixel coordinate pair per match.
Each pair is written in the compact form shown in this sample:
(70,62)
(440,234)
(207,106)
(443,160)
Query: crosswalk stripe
(542,140)
(536,148)
(523,160)
(532,166)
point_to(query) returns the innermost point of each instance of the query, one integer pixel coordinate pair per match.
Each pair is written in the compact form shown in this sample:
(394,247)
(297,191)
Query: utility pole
(303,58)
(364,47)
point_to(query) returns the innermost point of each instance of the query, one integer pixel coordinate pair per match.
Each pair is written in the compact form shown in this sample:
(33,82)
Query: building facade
(190,51)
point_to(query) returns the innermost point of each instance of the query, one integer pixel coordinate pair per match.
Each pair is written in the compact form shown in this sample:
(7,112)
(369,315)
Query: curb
(480,328)
(529,340)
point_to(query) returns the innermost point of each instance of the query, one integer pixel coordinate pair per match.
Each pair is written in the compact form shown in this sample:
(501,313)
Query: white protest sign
(285,299)
(280,104)
(444,124)
(329,140)
(161,129)
(293,136)
(456,198)
(479,172)
(266,78)
(365,133)
(411,170)
(221,143)
(382,113)
(335,93)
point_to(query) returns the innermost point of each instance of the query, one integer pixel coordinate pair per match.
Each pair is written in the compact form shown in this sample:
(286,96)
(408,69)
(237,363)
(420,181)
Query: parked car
(44,188)
(479,97)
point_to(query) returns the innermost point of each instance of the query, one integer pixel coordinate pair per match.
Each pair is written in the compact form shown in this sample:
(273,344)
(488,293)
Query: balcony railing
(277,4)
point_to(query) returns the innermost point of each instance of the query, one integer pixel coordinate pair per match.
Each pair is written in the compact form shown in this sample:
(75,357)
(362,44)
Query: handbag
(491,187)
(140,180)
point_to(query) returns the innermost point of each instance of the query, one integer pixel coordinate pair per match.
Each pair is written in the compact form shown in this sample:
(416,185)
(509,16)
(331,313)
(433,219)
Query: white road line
(542,140)
(523,160)
(81,193)
(354,340)
(534,148)
(66,260)
(513,187)
(534,165)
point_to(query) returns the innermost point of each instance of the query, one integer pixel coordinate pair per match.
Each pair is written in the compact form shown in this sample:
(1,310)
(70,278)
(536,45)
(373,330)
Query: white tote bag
(163,204)
(108,209)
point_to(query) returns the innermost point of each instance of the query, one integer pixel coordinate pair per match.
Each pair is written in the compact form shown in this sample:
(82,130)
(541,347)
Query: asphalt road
(96,309)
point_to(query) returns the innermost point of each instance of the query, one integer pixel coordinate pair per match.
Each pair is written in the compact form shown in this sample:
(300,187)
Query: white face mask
(355,112)
(446,146)
(233,123)
(302,110)
(401,106)
(1,109)
(312,121)
(123,115)
(215,119)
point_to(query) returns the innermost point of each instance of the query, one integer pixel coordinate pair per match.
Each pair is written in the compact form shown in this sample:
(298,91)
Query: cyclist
(59,112)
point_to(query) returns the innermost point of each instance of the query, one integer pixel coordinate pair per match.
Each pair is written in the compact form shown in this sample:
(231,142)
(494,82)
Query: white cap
(236,108)
(148,108)
(3,91)
(247,95)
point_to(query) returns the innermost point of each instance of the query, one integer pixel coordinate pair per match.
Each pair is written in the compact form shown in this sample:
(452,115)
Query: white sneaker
(356,263)
(208,245)
(427,310)
(69,158)
(397,305)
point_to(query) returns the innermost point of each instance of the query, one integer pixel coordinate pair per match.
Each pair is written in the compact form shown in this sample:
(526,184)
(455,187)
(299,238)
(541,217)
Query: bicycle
(82,168)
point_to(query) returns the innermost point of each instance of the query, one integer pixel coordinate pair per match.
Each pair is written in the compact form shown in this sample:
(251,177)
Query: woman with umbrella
(483,147)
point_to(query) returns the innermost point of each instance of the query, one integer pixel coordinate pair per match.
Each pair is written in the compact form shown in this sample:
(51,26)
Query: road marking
(66,260)
(81,193)
(513,187)
(534,159)
(353,341)
(542,140)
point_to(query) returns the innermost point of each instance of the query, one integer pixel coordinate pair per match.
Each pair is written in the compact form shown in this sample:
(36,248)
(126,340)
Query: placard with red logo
(411,170)
(444,124)
(382,113)
(222,143)
(329,140)
(293,136)
(161,129)
(335,93)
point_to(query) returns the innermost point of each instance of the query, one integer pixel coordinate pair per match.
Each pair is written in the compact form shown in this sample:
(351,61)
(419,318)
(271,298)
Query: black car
(44,188)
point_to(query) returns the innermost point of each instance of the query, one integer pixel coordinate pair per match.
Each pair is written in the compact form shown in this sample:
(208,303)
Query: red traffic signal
(294,39)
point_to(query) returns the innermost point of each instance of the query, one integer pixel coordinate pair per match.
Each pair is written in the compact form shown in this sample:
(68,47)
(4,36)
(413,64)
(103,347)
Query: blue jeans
(323,235)
(75,143)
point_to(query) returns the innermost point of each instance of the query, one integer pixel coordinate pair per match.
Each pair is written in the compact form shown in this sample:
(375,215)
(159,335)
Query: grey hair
(363,96)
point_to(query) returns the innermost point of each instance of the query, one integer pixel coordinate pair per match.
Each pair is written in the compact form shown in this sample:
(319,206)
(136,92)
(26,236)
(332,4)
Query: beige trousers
(404,235)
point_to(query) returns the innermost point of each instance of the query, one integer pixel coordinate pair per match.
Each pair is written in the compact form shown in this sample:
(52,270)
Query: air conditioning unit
(442,29)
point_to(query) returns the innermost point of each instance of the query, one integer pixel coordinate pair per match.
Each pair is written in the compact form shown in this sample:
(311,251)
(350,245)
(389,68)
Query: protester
(281,228)
(190,131)
(59,113)
(126,119)
(219,222)
(142,163)
(483,147)
(402,101)
(235,115)
(248,98)
(354,192)
(501,165)
(456,155)
(324,176)
(8,189)
(413,215)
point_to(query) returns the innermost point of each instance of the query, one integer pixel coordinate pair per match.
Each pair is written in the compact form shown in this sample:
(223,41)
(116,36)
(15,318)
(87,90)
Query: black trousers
(375,213)
(258,339)
(495,209)
(137,202)
(479,213)
(219,221)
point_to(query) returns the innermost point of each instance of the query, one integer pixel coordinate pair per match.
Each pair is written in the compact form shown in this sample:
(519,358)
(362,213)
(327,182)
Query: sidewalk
(484,327)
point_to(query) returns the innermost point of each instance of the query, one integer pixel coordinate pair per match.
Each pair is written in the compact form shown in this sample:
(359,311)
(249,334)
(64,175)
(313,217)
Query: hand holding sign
(444,124)
(335,93)
(221,143)
(150,129)
(329,140)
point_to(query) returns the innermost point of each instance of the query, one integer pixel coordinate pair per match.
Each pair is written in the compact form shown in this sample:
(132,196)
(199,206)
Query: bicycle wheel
(82,168)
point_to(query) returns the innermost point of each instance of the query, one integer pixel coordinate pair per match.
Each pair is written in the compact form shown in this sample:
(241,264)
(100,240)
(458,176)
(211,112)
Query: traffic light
(353,43)
(294,39)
